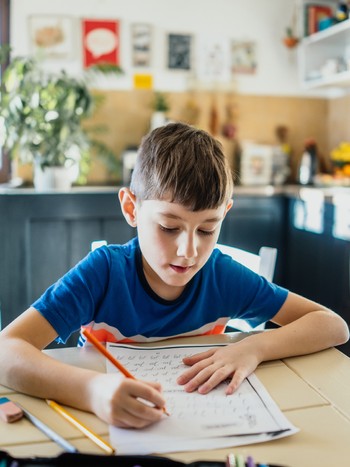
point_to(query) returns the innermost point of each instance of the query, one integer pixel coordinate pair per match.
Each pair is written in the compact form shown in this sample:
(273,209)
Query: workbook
(196,421)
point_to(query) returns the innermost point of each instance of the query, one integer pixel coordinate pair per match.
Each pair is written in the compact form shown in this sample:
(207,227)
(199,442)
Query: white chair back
(97,244)
(263,263)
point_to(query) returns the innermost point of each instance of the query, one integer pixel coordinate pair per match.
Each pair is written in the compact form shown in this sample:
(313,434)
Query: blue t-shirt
(108,293)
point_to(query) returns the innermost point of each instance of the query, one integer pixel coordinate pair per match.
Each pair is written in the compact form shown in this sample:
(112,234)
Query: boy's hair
(183,164)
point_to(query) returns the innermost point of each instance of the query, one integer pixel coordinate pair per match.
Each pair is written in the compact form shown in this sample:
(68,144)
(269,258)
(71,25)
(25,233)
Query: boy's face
(175,243)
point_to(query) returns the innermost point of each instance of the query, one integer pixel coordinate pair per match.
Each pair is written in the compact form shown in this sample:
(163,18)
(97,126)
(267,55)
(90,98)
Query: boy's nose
(187,246)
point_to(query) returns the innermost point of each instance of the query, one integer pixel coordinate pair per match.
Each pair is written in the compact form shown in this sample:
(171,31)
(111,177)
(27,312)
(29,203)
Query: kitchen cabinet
(317,264)
(43,235)
(256,221)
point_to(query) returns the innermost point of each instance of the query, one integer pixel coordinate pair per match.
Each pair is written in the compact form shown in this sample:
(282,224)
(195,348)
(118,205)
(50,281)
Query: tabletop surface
(312,391)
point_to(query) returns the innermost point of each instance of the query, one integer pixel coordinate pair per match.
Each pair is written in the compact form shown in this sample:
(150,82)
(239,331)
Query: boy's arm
(25,368)
(306,327)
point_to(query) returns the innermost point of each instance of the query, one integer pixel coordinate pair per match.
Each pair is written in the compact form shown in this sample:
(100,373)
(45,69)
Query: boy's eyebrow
(174,216)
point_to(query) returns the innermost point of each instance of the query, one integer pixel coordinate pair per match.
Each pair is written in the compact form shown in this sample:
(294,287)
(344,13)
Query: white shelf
(324,53)
(336,80)
(337,29)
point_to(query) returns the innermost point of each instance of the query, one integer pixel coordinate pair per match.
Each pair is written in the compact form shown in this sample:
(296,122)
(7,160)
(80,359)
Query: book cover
(313,14)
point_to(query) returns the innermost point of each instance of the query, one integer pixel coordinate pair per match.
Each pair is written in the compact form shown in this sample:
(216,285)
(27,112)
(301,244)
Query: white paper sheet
(197,422)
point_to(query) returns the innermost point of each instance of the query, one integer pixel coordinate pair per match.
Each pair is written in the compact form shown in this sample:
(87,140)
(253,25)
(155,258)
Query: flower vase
(52,178)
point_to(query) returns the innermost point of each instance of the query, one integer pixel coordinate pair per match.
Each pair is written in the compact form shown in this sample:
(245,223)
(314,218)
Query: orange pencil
(110,357)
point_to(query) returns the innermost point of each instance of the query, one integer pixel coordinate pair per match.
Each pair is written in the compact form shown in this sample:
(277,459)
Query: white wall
(263,21)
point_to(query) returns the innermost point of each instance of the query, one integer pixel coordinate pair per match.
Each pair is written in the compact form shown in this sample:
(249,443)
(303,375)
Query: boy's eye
(168,229)
(175,229)
(206,232)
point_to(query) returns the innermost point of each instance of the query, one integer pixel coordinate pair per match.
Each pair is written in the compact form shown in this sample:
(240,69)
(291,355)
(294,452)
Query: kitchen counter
(329,194)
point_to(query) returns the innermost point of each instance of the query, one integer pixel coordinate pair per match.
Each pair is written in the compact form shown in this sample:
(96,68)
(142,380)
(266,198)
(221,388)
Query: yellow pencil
(87,432)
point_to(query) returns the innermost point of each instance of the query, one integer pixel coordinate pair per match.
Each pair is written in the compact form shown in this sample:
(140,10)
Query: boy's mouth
(180,269)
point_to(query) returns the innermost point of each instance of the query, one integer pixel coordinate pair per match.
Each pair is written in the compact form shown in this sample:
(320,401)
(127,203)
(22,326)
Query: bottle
(308,167)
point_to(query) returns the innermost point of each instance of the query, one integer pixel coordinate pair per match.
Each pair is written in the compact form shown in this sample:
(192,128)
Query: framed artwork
(100,42)
(141,44)
(52,36)
(256,164)
(243,57)
(179,51)
(213,64)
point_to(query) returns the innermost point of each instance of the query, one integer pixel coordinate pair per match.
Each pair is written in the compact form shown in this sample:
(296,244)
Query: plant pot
(290,41)
(52,178)
(158,119)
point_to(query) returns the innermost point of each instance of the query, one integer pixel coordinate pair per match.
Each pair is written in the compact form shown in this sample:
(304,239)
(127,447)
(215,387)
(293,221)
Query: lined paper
(197,421)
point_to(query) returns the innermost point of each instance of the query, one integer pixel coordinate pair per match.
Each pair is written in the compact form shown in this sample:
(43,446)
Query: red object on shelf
(314,14)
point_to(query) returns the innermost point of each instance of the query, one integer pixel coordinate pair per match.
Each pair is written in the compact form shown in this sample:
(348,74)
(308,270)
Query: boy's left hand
(210,368)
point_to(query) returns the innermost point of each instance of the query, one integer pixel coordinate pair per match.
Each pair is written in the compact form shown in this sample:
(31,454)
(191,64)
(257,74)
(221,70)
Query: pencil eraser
(9,411)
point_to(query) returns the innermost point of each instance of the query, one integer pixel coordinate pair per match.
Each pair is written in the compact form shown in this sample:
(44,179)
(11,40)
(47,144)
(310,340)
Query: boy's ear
(127,201)
(229,206)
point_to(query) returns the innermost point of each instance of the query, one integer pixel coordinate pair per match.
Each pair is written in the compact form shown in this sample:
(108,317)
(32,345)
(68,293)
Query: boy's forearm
(312,332)
(26,369)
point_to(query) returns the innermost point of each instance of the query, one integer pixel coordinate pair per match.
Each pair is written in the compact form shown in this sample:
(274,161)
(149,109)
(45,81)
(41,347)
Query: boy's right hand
(116,400)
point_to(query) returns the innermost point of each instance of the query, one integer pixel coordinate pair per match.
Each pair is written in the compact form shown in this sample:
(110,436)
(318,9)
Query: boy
(168,281)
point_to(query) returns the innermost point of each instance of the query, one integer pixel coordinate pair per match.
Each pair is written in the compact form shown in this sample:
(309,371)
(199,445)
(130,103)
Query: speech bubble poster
(100,42)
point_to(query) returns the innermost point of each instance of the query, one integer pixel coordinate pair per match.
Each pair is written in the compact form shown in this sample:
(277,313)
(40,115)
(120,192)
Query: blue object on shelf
(325,23)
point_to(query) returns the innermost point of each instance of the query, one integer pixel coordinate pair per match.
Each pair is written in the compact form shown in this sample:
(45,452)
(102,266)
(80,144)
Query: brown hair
(185,164)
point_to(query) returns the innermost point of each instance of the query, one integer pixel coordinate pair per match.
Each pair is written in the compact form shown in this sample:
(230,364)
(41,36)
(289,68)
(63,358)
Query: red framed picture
(100,42)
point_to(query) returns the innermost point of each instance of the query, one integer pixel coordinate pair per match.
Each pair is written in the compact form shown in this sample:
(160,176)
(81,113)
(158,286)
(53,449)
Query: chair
(263,263)
(97,244)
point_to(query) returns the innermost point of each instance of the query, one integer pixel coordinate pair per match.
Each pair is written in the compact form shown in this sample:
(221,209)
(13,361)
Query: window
(4,39)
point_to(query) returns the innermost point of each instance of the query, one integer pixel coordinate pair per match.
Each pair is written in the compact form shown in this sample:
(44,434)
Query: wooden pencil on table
(83,428)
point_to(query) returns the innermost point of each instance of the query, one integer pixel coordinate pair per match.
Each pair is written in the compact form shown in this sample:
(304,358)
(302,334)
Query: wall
(271,97)
(263,21)
(126,115)
(338,125)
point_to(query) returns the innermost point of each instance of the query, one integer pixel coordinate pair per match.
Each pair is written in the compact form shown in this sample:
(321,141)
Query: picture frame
(101,42)
(256,163)
(213,59)
(243,57)
(52,36)
(141,45)
(179,51)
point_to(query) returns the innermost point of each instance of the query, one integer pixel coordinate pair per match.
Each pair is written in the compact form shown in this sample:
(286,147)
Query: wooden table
(313,391)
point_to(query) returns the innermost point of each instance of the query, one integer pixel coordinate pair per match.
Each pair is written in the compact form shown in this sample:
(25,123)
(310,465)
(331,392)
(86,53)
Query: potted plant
(41,122)
(160,107)
(290,40)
